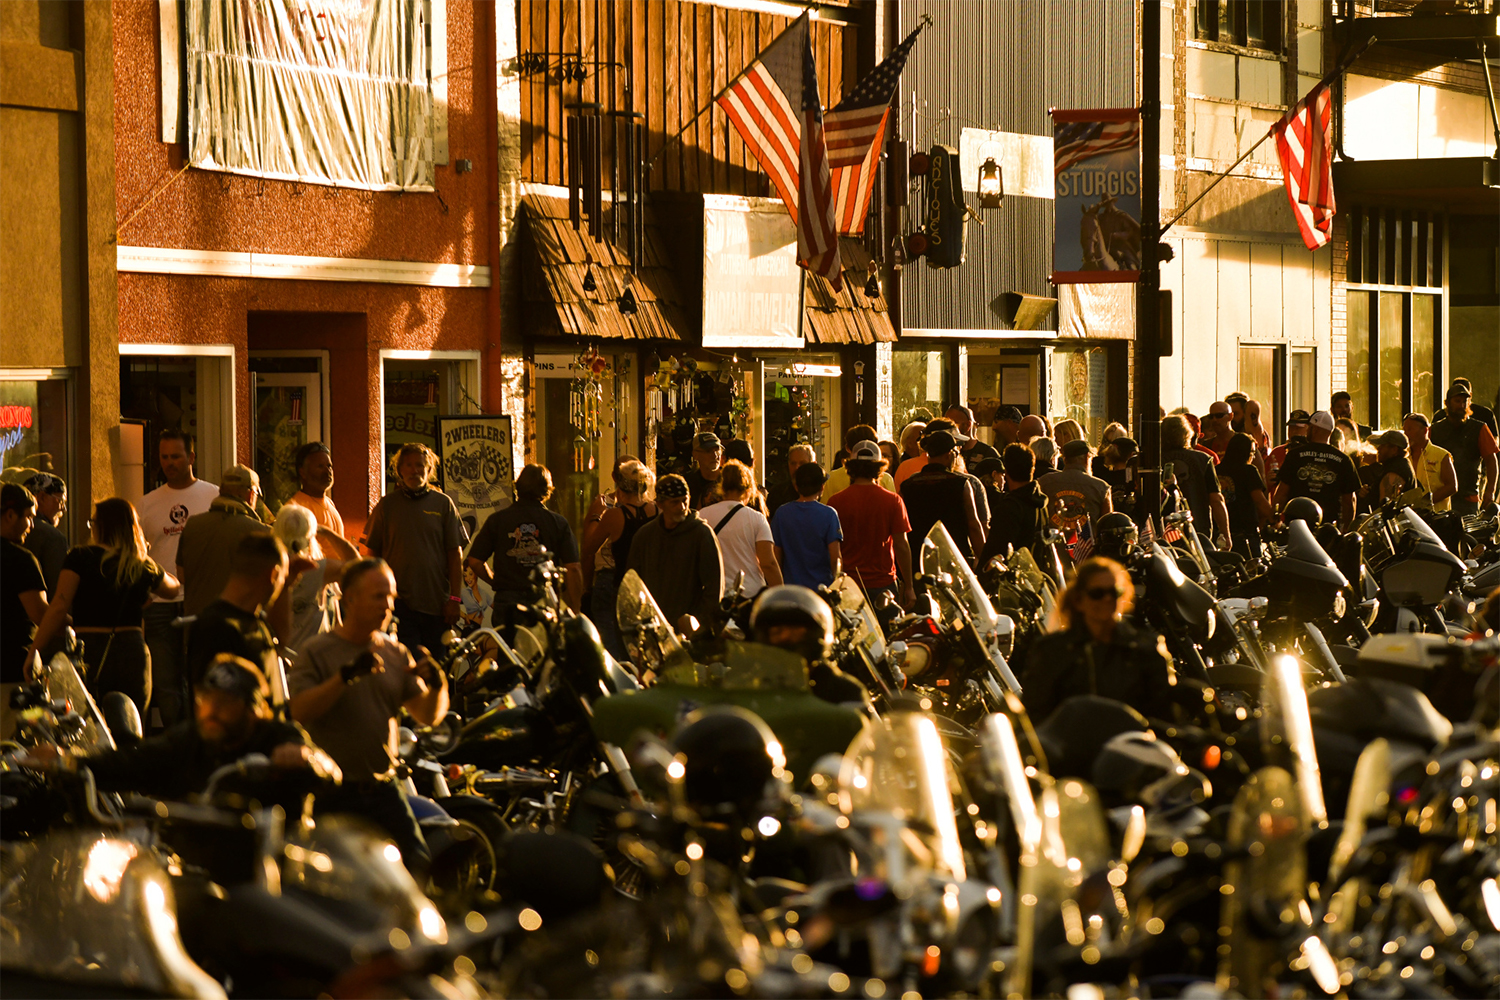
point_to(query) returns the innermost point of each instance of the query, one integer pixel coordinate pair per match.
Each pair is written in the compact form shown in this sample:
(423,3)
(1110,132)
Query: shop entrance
(585,417)
(180,388)
(803,405)
(290,399)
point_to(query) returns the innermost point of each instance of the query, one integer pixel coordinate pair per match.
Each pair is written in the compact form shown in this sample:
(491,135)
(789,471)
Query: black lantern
(589,284)
(872,287)
(991,184)
(628,306)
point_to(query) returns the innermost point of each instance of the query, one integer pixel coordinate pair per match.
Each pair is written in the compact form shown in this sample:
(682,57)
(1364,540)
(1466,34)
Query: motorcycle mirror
(449,638)
(687,625)
(406,742)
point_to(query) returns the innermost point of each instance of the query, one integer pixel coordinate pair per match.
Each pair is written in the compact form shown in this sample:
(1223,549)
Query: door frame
(469,376)
(224,450)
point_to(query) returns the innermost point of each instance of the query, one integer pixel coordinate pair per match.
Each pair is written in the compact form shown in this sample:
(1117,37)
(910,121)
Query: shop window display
(1080,388)
(33,424)
(919,385)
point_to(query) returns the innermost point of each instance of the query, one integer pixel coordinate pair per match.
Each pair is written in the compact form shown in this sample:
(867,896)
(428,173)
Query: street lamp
(991,184)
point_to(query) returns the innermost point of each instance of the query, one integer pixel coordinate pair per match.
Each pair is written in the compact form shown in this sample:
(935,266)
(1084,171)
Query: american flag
(774,106)
(1304,143)
(1074,142)
(855,130)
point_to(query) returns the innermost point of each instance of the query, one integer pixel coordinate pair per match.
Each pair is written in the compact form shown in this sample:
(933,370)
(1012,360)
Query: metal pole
(1148,291)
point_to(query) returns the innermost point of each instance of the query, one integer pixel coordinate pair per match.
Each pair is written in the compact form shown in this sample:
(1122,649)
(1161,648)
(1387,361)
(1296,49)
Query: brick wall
(1338,341)
(1389,63)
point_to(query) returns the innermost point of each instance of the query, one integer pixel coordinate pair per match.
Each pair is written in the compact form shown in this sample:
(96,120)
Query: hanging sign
(1096,164)
(474,465)
(752,286)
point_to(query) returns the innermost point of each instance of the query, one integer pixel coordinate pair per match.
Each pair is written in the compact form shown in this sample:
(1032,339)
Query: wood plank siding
(667,60)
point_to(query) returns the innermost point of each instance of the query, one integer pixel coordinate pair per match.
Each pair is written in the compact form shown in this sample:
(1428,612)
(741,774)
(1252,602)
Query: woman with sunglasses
(1095,650)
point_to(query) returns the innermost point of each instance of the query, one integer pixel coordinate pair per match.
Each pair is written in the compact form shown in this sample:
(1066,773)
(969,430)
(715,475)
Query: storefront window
(177,390)
(801,407)
(1000,378)
(1080,388)
(1357,354)
(919,385)
(1392,357)
(1424,387)
(416,392)
(34,424)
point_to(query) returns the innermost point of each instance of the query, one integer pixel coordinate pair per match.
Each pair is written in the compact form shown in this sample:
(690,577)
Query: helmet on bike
(1138,768)
(789,607)
(1115,535)
(1303,509)
(734,769)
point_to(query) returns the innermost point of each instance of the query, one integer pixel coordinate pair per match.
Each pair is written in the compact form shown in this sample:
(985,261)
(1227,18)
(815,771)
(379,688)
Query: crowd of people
(190,602)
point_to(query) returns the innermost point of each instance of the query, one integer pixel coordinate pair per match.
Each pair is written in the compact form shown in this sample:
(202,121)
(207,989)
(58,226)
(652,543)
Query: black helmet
(733,769)
(1303,509)
(792,605)
(1115,535)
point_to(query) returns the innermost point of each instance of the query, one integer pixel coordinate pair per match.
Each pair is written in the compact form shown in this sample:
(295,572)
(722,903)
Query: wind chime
(586,407)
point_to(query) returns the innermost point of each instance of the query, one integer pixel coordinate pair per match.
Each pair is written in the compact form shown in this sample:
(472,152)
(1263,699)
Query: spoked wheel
(466,870)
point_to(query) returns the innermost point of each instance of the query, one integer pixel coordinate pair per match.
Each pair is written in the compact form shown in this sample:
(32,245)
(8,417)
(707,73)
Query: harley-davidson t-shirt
(1322,472)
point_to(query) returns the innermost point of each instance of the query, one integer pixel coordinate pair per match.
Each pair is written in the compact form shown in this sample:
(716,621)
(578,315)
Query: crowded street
(648,498)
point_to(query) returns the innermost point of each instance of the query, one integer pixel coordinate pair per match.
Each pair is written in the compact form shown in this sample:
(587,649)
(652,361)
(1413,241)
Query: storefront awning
(1467,184)
(848,316)
(556,258)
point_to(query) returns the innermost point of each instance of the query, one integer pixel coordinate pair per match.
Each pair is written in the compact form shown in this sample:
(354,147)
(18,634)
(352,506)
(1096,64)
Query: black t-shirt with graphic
(1238,484)
(1322,472)
(516,537)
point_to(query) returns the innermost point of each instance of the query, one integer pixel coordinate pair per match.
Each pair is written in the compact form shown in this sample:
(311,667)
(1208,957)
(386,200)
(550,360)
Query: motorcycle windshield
(1291,720)
(1369,797)
(97,911)
(1412,522)
(341,859)
(899,766)
(940,557)
(653,643)
(62,681)
(1002,761)
(856,610)
(1023,564)
(1264,887)
(747,666)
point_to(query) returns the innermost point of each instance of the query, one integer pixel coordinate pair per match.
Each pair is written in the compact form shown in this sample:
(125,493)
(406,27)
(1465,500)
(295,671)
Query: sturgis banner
(474,465)
(1096,159)
(328,91)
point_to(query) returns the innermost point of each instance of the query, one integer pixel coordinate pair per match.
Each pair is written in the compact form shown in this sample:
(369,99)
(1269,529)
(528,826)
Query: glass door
(288,414)
(802,406)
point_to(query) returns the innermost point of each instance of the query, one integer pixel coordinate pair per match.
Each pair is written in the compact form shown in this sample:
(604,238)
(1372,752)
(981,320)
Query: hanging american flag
(1304,143)
(856,133)
(775,108)
(1074,142)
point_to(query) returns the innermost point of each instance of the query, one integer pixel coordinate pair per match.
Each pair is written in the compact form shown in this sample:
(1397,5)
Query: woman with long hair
(1094,649)
(606,546)
(1244,495)
(105,586)
(1067,430)
(308,604)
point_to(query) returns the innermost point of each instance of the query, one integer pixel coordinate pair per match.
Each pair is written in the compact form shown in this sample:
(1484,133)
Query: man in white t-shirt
(163,512)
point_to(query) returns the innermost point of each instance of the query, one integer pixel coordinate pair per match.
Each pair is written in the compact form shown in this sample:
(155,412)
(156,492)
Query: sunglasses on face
(1102,593)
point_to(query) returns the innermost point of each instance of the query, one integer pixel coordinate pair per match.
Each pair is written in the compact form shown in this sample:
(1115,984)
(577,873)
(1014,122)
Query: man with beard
(1473,448)
(314,465)
(232,719)
(1341,405)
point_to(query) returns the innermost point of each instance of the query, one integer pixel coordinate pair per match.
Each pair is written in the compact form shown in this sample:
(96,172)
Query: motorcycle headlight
(1339,605)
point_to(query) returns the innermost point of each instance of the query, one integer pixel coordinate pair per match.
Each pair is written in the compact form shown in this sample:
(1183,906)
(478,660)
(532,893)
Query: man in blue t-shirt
(807,533)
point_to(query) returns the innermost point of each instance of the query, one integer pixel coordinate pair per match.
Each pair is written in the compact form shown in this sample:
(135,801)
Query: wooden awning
(848,316)
(556,257)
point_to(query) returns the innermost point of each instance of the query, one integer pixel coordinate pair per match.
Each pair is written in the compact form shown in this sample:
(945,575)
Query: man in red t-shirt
(875,526)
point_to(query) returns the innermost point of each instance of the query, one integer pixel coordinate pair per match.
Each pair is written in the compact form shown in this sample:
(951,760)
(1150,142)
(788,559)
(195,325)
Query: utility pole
(1148,291)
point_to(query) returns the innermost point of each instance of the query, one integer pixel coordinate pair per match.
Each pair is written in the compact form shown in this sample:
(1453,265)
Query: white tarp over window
(329,91)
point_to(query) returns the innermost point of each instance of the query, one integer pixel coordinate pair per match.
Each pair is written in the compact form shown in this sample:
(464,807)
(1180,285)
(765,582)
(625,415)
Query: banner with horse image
(474,465)
(1096,158)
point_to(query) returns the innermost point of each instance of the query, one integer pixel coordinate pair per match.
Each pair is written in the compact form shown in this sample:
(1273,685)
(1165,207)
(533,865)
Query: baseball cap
(240,476)
(1076,449)
(707,441)
(948,426)
(1391,439)
(1125,447)
(866,449)
(1465,383)
(1300,417)
(989,466)
(1420,418)
(939,442)
(1011,413)
(1459,389)
(45,482)
(1322,420)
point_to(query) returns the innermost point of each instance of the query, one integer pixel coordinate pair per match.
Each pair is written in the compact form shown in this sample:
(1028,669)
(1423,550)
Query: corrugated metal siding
(1002,65)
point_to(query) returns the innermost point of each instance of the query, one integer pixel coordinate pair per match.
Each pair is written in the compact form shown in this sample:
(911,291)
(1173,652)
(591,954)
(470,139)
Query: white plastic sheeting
(329,91)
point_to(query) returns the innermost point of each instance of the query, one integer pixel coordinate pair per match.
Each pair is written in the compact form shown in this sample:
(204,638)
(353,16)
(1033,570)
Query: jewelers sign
(474,465)
(1096,165)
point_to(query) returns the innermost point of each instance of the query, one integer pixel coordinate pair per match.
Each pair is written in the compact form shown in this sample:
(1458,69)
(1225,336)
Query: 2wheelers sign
(1096,159)
(474,465)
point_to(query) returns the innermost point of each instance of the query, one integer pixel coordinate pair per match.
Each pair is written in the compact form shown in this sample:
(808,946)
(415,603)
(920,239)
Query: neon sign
(15,416)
